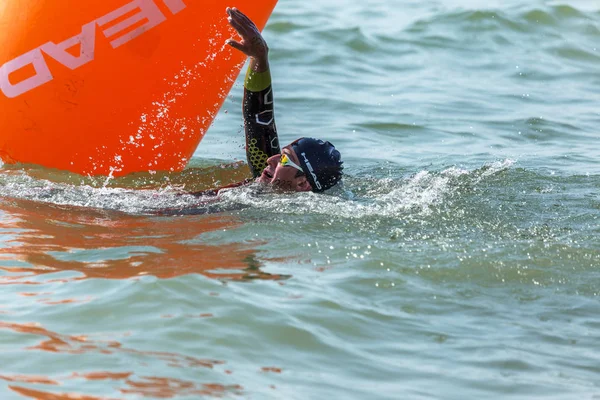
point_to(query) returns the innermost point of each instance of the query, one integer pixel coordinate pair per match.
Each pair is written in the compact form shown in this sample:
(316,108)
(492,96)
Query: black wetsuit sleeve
(259,121)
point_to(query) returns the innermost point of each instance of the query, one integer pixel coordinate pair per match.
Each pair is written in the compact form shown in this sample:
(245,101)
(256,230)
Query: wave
(497,199)
(502,27)
(367,197)
(359,197)
(515,19)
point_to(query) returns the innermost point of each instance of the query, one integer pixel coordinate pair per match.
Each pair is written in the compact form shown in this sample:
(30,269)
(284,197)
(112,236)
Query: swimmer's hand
(252,44)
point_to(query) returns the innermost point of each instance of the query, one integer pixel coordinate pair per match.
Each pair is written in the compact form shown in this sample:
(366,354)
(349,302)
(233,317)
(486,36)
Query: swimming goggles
(285,161)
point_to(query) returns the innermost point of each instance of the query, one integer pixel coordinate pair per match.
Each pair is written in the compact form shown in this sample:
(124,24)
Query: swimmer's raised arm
(259,119)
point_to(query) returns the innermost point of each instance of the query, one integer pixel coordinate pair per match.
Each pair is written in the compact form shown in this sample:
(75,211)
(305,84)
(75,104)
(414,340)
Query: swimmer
(306,164)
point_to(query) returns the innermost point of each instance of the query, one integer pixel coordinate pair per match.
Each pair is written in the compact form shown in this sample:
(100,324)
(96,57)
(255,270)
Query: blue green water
(460,259)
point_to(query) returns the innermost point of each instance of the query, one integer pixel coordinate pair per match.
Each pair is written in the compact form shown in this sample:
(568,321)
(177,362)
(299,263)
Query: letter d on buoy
(42,74)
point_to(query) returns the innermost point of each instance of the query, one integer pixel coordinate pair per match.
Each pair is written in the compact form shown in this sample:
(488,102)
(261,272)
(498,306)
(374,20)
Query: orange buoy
(111,87)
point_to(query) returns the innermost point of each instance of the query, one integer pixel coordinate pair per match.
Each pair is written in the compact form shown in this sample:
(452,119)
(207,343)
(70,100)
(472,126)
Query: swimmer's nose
(273,160)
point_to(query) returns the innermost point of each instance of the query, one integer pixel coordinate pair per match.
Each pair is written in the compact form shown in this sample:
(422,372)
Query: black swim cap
(320,161)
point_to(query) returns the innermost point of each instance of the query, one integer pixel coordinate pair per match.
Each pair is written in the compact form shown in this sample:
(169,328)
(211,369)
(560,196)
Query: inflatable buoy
(110,87)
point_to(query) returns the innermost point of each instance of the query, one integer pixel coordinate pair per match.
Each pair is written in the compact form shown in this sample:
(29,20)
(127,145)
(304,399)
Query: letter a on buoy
(114,86)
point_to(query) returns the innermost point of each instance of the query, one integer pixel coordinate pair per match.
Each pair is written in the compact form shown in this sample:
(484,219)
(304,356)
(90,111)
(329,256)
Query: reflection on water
(42,243)
(41,239)
(152,387)
(40,395)
(199,175)
(163,388)
(147,386)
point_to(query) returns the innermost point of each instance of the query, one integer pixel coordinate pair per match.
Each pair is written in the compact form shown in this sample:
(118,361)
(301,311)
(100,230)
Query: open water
(460,260)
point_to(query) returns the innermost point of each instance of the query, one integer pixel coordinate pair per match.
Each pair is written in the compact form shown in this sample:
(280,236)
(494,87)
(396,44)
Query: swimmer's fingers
(244,19)
(240,24)
(236,45)
(243,45)
(252,43)
(239,28)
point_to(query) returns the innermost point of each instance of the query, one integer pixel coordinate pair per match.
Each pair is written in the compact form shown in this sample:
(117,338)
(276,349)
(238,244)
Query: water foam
(418,194)
(358,198)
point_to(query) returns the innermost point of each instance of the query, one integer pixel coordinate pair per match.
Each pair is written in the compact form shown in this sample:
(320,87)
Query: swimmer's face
(283,175)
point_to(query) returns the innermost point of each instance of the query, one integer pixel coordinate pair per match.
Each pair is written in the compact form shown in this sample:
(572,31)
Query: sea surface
(459,260)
